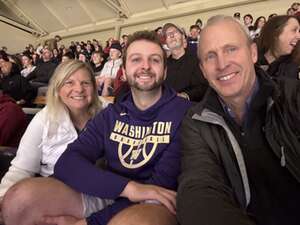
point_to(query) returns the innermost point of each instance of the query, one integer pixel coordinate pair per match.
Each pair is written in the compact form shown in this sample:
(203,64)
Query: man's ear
(124,73)
(253,49)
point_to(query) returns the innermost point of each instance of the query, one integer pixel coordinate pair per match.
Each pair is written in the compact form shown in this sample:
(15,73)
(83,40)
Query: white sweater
(111,68)
(39,149)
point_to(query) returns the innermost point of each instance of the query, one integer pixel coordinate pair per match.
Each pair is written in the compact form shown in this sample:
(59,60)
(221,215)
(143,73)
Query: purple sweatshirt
(138,145)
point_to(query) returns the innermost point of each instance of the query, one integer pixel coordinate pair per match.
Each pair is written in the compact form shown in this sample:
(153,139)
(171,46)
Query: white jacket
(39,149)
(110,68)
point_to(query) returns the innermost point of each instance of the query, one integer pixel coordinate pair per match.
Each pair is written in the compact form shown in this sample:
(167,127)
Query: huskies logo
(137,144)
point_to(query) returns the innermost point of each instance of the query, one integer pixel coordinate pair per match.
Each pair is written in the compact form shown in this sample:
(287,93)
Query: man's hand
(137,192)
(63,220)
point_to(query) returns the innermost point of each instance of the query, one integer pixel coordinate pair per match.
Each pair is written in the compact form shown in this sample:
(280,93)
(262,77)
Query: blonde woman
(71,101)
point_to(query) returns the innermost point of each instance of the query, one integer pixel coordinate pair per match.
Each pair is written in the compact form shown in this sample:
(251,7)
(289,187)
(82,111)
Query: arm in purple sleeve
(76,167)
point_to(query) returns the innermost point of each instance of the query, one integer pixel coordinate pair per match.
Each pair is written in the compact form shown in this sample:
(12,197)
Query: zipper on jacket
(282,159)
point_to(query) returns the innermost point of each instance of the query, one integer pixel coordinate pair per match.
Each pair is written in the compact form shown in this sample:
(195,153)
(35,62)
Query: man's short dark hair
(272,15)
(146,35)
(194,27)
(69,55)
(198,21)
(57,37)
(157,29)
(250,16)
(27,54)
(237,15)
(3,55)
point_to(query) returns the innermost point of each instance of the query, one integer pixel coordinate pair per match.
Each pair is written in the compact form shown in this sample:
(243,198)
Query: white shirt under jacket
(39,149)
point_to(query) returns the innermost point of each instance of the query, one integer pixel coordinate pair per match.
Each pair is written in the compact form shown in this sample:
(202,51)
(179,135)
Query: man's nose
(221,62)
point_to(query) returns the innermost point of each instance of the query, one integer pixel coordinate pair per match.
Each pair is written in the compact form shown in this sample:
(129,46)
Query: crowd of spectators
(37,65)
(23,75)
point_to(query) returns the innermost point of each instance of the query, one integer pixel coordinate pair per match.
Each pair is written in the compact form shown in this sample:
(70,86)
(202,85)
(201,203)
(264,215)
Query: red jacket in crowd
(13,122)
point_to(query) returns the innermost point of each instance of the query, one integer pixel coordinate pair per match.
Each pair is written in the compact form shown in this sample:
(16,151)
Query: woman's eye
(68,83)
(135,60)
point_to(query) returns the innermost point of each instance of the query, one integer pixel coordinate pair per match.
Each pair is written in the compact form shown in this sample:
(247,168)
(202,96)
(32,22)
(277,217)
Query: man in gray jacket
(241,161)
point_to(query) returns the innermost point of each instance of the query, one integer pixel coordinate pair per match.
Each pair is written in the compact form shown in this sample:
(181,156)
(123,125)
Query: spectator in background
(38,50)
(95,42)
(110,69)
(56,56)
(98,48)
(3,56)
(183,73)
(89,49)
(248,20)
(97,62)
(290,12)
(83,56)
(89,42)
(43,71)
(272,15)
(158,31)
(27,63)
(199,24)
(295,6)
(13,121)
(277,40)
(62,49)
(71,101)
(72,47)
(258,25)
(192,39)
(124,40)
(78,50)
(109,42)
(16,86)
(237,16)
(52,43)
(4,48)
(67,56)
(35,58)
(16,59)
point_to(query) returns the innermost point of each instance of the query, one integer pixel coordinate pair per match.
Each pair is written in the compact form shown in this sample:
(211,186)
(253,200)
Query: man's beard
(149,87)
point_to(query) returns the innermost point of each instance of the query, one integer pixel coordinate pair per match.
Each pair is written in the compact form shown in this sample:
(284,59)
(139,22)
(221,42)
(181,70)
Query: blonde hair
(55,106)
